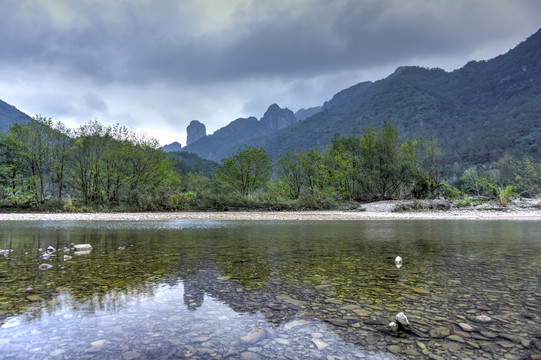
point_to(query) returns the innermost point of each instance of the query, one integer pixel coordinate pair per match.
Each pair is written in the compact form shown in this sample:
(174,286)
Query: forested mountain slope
(477,112)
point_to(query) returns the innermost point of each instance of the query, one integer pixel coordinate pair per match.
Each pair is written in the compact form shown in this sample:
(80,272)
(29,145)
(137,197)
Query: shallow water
(270,289)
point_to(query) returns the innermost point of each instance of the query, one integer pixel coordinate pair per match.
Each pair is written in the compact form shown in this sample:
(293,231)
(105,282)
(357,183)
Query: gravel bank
(382,210)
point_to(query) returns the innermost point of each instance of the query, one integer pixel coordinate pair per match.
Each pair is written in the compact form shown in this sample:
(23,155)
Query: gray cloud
(216,63)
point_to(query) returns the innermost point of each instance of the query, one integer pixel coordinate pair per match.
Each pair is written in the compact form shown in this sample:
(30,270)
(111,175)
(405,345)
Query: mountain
(175,146)
(477,112)
(10,115)
(195,131)
(303,114)
(230,138)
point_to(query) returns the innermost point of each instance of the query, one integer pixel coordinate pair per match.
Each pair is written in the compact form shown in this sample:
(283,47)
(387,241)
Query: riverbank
(382,210)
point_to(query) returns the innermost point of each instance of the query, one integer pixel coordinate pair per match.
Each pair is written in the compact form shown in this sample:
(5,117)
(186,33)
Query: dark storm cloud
(143,42)
(157,65)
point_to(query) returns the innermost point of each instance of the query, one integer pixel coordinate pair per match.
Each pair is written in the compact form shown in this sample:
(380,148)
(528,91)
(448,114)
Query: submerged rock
(483,318)
(440,332)
(398,262)
(255,335)
(392,327)
(81,247)
(45,266)
(67,257)
(466,327)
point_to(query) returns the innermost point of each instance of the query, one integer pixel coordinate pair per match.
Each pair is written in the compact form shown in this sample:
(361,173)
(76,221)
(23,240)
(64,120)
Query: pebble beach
(381,210)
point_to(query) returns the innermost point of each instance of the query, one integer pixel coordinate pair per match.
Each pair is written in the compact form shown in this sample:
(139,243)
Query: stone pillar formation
(195,131)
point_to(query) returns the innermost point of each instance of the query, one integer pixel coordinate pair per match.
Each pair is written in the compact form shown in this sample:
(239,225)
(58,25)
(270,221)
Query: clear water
(270,289)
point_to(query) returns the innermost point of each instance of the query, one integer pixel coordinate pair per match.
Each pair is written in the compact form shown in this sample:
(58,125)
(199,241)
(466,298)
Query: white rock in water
(45,266)
(82,247)
(398,262)
(483,318)
(466,327)
(67,257)
(393,327)
(403,320)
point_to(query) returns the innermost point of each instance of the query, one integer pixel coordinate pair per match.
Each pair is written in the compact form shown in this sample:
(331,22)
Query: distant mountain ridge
(477,112)
(230,138)
(10,115)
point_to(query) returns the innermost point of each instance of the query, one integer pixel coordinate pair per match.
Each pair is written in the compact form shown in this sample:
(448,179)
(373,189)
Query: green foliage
(103,166)
(450,192)
(505,194)
(185,162)
(463,203)
(247,170)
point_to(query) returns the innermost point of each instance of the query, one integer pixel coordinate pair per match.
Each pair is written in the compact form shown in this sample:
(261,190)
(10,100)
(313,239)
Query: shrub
(504,195)
(450,192)
(463,203)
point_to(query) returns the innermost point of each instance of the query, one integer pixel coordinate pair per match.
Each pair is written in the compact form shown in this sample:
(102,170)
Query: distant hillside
(303,114)
(175,146)
(477,112)
(10,115)
(186,162)
(230,138)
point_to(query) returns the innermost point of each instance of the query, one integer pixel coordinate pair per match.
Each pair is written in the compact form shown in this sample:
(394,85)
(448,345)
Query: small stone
(392,327)
(255,335)
(395,349)
(320,344)
(403,321)
(45,266)
(462,334)
(466,327)
(294,323)
(505,344)
(456,338)
(200,339)
(130,355)
(483,318)
(489,334)
(440,332)
(248,355)
(527,343)
(99,343)
(34,298)
(420,291)
(67,257)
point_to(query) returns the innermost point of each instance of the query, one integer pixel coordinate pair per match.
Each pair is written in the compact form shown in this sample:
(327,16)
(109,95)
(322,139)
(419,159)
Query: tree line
(43,162)
(97,167)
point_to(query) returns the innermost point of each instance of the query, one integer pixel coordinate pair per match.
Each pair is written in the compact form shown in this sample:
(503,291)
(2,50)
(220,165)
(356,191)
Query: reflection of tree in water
(105,279)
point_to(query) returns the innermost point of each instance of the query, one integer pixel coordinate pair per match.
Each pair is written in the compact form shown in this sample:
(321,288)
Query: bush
(450,192)
(463,203)
(504,195)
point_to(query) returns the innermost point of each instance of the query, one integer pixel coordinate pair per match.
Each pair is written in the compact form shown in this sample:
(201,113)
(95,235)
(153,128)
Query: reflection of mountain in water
(342,274)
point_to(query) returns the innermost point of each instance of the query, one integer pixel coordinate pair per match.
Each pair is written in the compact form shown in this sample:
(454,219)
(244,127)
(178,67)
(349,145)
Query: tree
(247,170)
(289,170)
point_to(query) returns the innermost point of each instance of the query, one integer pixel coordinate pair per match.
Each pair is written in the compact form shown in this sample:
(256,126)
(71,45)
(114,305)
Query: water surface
(196,289)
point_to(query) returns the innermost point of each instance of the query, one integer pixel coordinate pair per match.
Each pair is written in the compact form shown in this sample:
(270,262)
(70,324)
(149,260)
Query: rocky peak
(276,118)
(195,131)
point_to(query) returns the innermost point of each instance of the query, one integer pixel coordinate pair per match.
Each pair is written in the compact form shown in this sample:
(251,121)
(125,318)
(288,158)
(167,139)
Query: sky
(155,65)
